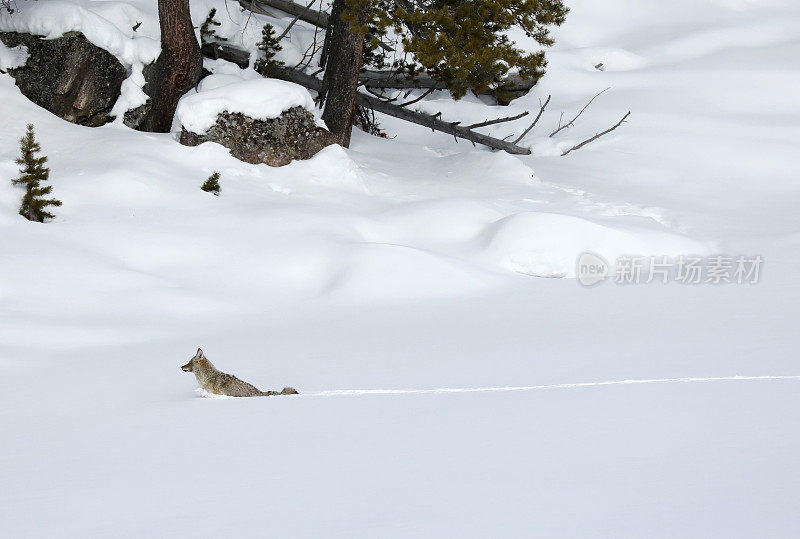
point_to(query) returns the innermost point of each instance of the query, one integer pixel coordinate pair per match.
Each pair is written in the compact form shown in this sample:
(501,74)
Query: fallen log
(315,17)
(226,52)
(242,58)
(435,124)
(390,80)
(419,118)
(370,79)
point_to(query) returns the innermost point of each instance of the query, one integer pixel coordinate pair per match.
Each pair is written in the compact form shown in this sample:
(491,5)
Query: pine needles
(211,185)
(32,174)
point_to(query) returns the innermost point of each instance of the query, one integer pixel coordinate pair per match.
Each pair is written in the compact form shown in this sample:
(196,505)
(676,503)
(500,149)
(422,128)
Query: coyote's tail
(284,391)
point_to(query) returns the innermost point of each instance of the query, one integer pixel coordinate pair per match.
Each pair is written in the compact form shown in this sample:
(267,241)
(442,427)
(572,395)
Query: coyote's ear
(199,354)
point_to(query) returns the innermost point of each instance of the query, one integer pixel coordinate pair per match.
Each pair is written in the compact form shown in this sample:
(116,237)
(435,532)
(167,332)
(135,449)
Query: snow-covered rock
(259,121)
(69,76)
(260,99)
(276,142)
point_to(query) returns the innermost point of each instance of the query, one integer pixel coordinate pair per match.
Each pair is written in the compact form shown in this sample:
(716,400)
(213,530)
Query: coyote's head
(198,357)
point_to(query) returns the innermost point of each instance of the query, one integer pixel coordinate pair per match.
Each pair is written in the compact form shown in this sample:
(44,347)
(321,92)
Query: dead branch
(226,52)
(497,121)
(391,79)
(381,96)
(308,55)
(536,120)
(436,124)
(370,79)
(317,18)
(572,121)
(296,18)
(365,119)
(431,121)
(597,136)
(425,94)
(242,58)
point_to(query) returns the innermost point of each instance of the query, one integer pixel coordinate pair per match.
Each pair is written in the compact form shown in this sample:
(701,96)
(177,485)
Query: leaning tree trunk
(177,69)
(340,84)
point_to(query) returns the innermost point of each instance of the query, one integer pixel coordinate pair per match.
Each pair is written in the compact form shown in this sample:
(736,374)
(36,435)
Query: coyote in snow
(219,383)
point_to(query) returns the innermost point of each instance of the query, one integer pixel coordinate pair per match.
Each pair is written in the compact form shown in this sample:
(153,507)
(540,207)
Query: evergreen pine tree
(211,185)
(32,172)
(269,46)
(207,32)
(463,43)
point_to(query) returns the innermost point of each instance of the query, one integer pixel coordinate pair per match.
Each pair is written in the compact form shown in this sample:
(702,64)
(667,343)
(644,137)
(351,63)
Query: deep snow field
(418,263)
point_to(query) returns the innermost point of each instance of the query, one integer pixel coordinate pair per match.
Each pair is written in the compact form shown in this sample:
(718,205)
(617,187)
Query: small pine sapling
(269,46)
(32,173)
(211,185)
(207,32)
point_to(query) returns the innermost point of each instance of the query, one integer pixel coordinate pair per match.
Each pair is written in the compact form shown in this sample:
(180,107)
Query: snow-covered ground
(416,263)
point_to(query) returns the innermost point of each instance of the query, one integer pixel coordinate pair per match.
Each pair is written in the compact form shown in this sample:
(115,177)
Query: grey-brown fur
(220,383)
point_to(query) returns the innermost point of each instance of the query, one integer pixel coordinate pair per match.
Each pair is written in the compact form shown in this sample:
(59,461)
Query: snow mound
(391,272)
(261,99)
(548,244)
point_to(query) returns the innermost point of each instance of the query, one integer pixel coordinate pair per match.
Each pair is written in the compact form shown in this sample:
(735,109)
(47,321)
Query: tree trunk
(177,69)
(340,85)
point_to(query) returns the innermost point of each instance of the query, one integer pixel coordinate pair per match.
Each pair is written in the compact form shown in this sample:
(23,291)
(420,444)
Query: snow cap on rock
(261,99)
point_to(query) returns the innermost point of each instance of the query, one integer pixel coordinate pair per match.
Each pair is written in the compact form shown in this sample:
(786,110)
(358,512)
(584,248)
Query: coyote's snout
(220,383)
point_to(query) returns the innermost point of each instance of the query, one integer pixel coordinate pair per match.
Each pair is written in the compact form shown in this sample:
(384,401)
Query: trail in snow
(346,392)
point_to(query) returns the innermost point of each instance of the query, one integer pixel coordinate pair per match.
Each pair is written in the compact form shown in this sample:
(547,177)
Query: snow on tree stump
(259,121)
(69,76)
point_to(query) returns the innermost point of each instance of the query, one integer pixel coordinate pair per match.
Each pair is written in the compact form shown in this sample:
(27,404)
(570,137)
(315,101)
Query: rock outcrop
(69,76)
(276,142)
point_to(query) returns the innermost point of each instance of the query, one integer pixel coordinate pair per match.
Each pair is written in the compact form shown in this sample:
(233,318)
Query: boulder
(69,76)
(277,141)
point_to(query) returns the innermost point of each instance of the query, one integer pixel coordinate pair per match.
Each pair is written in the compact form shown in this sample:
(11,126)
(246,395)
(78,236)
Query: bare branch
(384,46)
(427,120)
(433,122)
(308,57)
(572,121)
(541,111)
(381,96)
(296,18)
(425,94)
(497,121)
(597,136)
(561,117)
